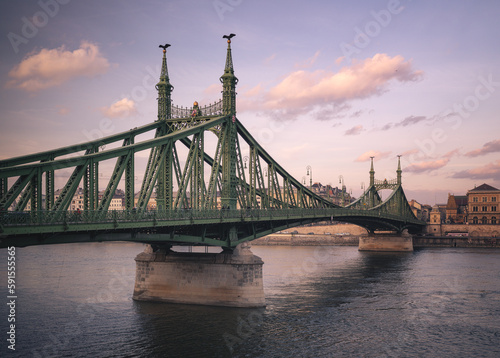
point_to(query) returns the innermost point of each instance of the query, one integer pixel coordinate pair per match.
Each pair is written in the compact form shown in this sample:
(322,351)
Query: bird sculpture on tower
(228,37)
(164,47)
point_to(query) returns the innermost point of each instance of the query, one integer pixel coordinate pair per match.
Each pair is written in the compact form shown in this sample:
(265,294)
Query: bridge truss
(202,152)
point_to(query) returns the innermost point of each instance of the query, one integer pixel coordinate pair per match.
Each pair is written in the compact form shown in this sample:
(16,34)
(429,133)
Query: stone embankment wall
(452,241)
(474,231)
(340,234)
(348,234)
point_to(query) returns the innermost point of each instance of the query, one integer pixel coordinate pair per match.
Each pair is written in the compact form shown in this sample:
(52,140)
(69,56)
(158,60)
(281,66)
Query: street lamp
(304,180)
(245,160)
(341,181)
(309,170)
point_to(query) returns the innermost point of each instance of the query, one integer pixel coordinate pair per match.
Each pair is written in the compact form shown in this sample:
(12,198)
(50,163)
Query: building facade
(456,209)
(483,205)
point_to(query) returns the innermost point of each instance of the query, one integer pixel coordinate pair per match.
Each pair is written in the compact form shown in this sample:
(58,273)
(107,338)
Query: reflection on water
(75,301)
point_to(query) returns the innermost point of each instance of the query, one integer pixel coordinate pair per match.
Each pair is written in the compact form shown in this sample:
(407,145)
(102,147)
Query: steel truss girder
(15,171)
(16,189)
(289,183)
(211,199)
(190,170)
(64,200)
(122,163)
(150,177)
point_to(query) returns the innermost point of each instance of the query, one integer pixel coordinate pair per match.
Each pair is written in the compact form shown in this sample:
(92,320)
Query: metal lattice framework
(218,200)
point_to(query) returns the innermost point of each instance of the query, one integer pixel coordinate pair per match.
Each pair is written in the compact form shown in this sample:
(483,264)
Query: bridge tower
(164,89)
(372,193)
(230,278)
(164,187)
(229,180)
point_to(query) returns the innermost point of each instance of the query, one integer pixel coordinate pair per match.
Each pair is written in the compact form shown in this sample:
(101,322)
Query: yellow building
(436,215)
(484,205)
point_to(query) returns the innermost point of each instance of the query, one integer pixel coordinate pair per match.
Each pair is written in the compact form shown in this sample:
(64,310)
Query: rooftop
(484,187)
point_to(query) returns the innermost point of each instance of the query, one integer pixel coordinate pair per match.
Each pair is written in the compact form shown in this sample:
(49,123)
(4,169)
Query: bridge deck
(181,226)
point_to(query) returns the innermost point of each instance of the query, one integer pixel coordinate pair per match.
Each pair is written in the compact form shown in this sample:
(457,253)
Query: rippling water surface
(75,301)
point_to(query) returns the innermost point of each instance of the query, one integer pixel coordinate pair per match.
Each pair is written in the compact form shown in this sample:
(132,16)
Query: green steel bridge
(219,200)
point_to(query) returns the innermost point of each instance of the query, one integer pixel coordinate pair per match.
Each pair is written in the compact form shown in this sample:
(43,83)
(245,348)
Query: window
(475,220)
(474,208)
(484,208)
(494,198)
(485,199)
(484,220)
(493,208)
(494,220)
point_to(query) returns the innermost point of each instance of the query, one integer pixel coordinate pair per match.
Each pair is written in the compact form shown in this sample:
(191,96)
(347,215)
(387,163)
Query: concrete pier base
(224,279)
(386,242)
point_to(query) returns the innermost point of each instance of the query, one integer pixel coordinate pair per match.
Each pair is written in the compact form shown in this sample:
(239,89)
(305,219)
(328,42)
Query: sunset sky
(321,83)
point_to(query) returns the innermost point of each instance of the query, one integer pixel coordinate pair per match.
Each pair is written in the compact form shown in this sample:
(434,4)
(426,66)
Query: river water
(326,301)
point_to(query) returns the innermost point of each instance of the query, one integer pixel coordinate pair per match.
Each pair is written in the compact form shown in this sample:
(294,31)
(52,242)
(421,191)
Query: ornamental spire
(372,173)
(229,81)
(399,171)
(164,89)
(229,58)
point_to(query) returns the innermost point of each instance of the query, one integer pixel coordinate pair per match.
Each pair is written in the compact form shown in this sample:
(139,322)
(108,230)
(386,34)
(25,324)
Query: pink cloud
(488,171)
(411,151)
(360,80)
(270,59)
(53,67)
(410,121)
(354,130)
(339,60)
(372,153)
(452,153)
(213,89)
(63,110)
(120,109)
(308,62)
(429,166)
(252,92)
(490,147)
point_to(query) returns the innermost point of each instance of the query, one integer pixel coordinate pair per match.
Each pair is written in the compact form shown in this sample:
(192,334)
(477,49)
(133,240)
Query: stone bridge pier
(230,278)
(386,242)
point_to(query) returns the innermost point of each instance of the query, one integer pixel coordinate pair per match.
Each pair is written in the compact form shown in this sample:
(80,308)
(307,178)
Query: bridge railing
(26,218)
(41,218)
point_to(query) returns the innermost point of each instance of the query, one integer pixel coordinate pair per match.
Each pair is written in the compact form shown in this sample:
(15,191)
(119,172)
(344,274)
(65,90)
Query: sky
(325,84)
